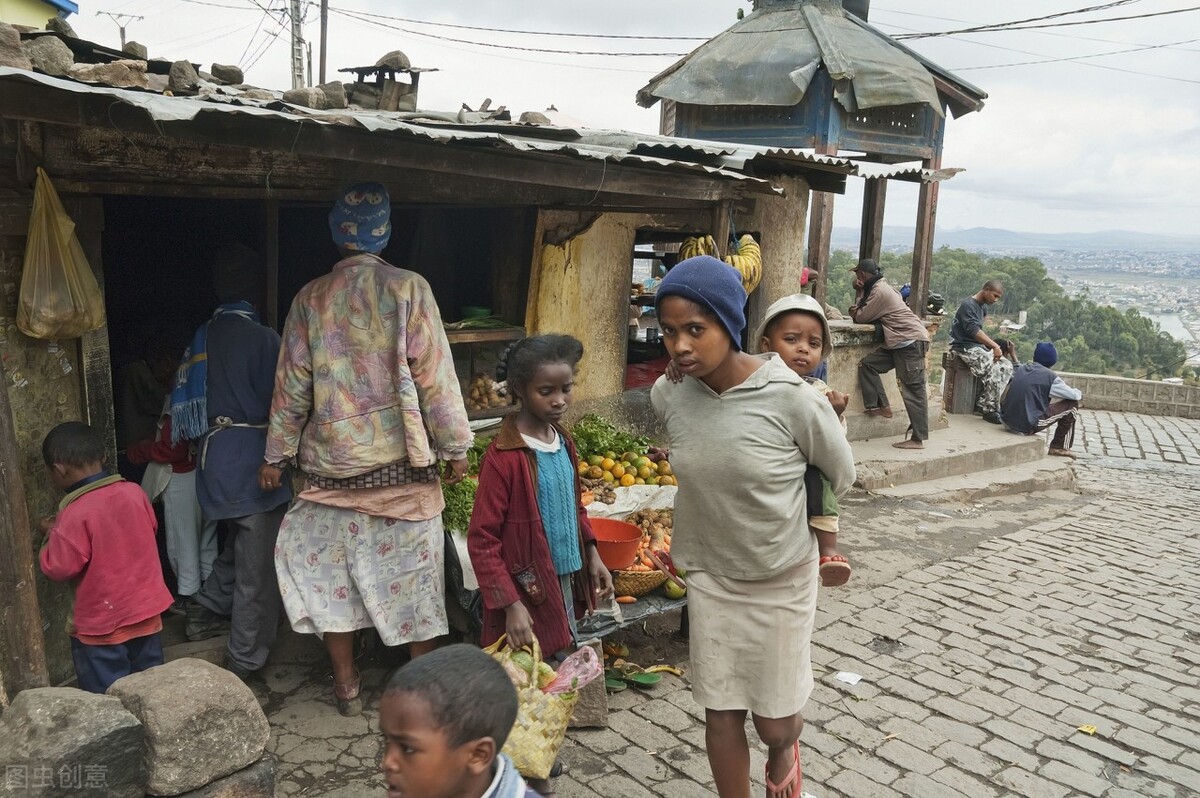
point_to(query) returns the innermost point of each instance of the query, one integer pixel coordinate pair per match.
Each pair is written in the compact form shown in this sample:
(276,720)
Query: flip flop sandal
(793,782)
(635,675)
(614,685)
(832,567)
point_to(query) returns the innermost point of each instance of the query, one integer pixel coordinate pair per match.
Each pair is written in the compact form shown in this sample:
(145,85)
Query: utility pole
(297,45)
(117,19)
(324,35)
(308,55)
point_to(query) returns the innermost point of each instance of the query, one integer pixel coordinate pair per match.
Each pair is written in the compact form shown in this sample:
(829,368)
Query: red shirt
(506,539)
(103,541)
(160,450)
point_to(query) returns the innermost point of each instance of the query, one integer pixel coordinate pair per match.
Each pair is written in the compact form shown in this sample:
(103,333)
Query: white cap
(801,302)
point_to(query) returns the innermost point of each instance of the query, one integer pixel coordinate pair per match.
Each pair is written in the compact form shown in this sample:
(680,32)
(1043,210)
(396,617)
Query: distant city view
(1159,277)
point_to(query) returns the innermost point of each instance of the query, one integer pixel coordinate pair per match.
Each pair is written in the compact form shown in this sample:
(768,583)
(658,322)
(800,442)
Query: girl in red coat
(530,541)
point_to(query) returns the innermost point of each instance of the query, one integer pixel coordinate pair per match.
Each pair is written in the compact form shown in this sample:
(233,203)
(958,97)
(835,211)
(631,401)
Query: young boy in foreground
(444,718)
(102,540)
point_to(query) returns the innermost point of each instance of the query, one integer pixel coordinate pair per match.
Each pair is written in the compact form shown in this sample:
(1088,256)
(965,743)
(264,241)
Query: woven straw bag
(541,725)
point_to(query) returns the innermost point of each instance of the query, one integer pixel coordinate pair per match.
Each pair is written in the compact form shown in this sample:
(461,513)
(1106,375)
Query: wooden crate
(961,387)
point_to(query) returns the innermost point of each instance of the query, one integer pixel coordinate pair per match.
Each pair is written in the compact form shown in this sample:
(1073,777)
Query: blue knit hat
(1045,354)
(712,284)
(361,220)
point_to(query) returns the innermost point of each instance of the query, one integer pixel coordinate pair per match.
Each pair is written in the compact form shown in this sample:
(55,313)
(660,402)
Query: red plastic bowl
(616,542)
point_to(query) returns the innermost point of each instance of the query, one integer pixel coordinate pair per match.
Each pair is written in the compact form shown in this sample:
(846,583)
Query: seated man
(1037,398)
(986,358)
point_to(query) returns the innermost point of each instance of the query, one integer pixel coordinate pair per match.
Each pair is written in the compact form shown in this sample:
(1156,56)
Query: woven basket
(636,583)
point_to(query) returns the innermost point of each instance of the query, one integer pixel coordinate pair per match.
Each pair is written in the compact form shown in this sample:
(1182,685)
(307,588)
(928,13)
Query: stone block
(183,78)
(201,723)
(335,94)
(61,26)
(395,60)
(11,52)
(256,781)
(364,95)
(592,709)
(228,74)
(48,54)
(136,50)
(307,97)
(118,74)
(59,741)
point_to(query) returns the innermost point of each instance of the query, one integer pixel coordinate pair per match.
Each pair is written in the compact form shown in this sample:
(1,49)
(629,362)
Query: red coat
(506,538)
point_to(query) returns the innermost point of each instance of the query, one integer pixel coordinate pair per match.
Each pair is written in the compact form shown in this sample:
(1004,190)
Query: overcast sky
(1069,146)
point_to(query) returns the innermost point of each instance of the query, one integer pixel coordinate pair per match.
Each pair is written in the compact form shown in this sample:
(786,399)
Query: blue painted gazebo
(814,74)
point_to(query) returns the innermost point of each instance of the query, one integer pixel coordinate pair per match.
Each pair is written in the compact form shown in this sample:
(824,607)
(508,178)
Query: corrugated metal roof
(910,173)
(734,162)
(770,57)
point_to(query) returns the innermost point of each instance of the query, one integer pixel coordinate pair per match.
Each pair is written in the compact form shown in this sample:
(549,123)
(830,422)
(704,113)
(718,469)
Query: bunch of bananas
(747,259)
(692,247)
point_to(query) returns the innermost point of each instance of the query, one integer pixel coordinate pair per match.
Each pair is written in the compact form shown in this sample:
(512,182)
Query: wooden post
(874,197)
(820,234)
(721,215)
(24,648)
(922,267)
(324,37)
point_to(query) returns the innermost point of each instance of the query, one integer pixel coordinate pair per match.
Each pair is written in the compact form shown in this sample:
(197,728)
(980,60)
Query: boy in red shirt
(103,541)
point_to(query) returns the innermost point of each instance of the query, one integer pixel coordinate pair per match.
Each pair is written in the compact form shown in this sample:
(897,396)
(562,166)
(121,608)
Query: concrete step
(1049,473)
(861,427)
(968,445)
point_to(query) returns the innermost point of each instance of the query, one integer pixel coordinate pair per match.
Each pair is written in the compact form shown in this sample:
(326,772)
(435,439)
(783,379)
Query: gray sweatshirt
(741,456)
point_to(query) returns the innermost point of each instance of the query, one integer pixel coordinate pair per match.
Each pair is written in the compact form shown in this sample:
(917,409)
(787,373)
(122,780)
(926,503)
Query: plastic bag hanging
(59,296)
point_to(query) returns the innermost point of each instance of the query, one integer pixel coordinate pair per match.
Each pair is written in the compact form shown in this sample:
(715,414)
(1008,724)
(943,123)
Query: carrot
(625,599)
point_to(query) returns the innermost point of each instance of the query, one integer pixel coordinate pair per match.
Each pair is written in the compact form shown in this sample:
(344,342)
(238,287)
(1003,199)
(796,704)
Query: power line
(355,15)
(1081,57)
(522,32)
(1009,26)
(518,59)
(1034,31)
(996,25)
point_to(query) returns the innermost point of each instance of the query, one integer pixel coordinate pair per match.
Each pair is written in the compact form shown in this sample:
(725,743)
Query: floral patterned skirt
(342,570)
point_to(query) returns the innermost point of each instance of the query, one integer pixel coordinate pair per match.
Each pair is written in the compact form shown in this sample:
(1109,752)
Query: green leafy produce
(595,435)
(460,500)
(475,455)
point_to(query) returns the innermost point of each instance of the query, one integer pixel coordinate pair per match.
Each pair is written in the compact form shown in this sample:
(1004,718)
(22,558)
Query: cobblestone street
(979,671)
(986,635)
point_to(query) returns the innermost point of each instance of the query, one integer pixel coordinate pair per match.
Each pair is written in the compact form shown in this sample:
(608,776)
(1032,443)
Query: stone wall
(1136,396)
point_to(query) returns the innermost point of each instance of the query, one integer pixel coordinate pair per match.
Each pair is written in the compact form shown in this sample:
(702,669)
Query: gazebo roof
(770,57)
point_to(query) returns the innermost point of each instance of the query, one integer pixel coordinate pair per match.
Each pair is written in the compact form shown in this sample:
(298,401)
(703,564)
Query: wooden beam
(820,238)
(874,197)
(721,217)
(24,648)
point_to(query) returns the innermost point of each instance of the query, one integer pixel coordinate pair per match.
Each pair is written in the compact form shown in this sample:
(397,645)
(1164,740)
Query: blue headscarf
(361,220)
(1045,354)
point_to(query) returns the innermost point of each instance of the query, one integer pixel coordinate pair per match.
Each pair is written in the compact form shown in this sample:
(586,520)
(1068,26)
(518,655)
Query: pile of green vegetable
(595,435)
(460,498)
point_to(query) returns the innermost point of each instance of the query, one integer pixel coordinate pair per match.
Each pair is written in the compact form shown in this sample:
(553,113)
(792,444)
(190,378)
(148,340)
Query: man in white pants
(191,540)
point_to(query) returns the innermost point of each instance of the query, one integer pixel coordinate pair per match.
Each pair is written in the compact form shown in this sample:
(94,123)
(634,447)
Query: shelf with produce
(491,412)
(485,336)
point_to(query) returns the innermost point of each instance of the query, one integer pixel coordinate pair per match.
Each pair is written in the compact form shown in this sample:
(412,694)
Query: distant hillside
(987,238)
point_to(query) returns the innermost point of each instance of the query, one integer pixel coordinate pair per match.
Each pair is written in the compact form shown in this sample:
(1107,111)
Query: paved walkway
(1017,622)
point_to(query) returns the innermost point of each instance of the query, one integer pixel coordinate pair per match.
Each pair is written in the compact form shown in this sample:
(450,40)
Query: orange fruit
(617,470)
(583,469)
(595,472)
(667,480)
(607,463)
(608,477)
(653,480)
(639,481)
(645,472)
(628,480)
(641,461)
(664,468)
